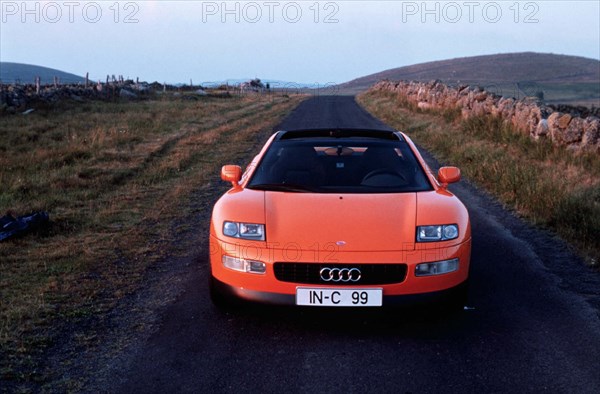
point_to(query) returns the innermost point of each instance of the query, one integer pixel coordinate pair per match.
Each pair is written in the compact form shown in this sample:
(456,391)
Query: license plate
(338,297)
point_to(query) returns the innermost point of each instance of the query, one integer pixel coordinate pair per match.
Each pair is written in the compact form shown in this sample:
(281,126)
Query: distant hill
(273,83)
(563,78)
(26,73)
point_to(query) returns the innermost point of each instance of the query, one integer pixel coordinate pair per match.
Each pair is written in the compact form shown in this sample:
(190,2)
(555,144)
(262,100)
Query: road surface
(532,324)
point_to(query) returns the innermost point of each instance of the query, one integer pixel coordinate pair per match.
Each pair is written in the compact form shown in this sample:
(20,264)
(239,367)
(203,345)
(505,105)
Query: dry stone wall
(575,131)
(19,98)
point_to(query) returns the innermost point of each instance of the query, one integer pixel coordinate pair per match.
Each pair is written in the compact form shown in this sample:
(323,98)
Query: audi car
(339,218)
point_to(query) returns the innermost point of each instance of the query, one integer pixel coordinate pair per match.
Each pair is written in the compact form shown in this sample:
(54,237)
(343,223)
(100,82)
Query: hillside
(26,73)
(562,78)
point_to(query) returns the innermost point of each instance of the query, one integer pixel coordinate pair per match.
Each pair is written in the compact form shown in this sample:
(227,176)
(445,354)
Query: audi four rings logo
(340,274)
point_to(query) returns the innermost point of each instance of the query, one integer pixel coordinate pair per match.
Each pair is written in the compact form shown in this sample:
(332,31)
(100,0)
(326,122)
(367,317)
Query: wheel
(385,173)
(382,171)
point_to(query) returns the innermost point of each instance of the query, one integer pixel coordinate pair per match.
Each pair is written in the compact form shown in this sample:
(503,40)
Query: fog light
(243,265)
(436,268)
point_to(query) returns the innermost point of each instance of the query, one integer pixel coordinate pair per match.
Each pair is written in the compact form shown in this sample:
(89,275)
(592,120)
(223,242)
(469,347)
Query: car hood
(350,222)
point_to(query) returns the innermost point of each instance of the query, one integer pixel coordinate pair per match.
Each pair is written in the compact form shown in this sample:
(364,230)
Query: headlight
(437,233)
(437,268)
(244,230)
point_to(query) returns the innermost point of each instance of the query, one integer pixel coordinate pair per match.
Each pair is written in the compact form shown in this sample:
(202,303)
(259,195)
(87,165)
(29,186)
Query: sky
(311,42)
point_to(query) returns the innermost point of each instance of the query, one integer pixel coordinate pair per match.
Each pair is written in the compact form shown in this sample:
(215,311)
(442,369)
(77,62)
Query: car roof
(334,133)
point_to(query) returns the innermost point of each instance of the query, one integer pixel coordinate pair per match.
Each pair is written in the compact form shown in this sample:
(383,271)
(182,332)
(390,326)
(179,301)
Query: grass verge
(551,186)
(114,178)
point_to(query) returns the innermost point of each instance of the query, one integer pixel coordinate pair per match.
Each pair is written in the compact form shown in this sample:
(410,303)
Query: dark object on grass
(12,227)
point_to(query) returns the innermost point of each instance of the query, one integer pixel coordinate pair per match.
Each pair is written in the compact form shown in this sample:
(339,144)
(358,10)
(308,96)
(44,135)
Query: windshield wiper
(281,187)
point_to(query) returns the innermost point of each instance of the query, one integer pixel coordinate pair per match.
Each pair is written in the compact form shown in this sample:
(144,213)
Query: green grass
(114,178)
(551,186)
(586,94)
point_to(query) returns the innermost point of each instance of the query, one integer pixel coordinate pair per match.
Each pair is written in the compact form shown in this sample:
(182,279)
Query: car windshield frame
(355,165)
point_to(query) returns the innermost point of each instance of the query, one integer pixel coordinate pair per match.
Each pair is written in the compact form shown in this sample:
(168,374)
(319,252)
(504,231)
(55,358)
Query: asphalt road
(532,325)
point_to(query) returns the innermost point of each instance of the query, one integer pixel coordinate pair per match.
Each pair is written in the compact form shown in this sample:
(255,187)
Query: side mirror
(448,175)
(233,174)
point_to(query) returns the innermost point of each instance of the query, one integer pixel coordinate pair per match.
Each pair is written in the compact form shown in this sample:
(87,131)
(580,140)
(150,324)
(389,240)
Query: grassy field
(551,186)
(563,79)
(585,94)
(114,178)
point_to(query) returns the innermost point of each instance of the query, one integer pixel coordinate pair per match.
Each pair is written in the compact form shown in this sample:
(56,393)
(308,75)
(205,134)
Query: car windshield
(339,166)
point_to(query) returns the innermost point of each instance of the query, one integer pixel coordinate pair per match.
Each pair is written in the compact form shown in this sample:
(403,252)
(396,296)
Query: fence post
(87,79)
(37,85)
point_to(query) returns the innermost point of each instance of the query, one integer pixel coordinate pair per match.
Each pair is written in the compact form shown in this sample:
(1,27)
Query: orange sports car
(339,218)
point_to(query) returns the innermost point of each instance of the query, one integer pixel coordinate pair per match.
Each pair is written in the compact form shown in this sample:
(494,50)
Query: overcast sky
(303,41)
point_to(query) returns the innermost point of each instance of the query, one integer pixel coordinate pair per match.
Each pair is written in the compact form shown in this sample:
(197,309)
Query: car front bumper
(266,288)
(262,297)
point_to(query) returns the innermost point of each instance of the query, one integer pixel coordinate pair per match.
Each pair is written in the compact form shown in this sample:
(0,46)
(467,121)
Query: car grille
(371,274)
